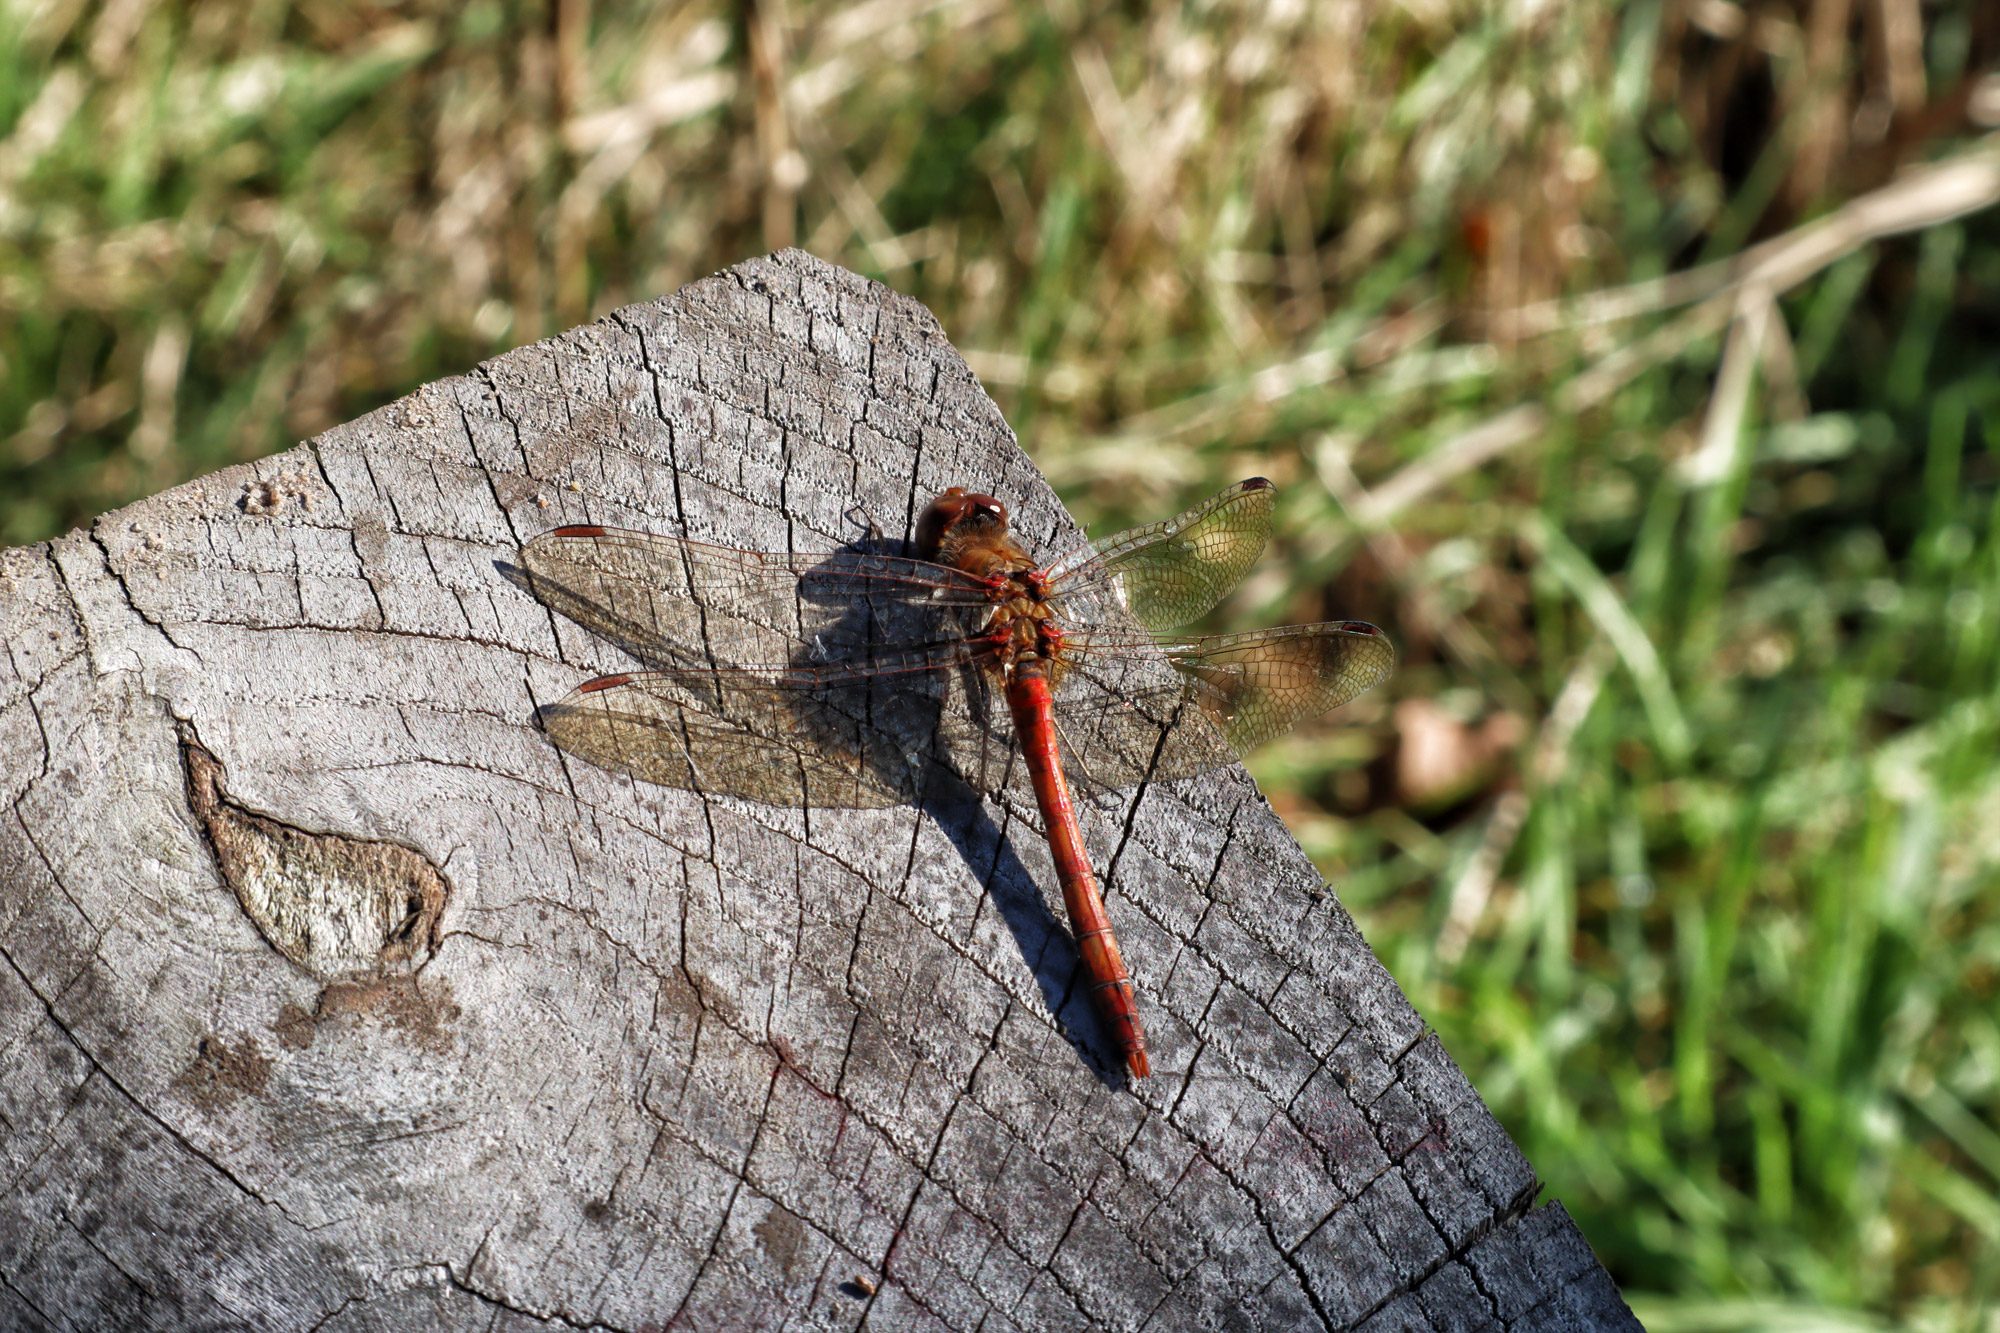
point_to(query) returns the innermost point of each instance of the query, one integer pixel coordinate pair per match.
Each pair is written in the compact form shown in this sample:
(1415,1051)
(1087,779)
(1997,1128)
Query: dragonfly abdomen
(1033,707)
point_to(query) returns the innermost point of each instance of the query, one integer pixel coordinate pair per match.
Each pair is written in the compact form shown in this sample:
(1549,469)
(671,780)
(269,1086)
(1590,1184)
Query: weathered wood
(335,997)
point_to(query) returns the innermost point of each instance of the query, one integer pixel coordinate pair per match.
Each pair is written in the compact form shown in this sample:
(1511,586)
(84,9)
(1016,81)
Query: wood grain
(334,997)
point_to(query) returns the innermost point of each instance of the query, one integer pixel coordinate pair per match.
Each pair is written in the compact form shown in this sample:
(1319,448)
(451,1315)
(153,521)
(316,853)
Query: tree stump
(336,998)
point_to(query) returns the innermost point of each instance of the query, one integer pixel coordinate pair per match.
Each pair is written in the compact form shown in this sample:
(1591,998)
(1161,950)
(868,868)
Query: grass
(1678,819)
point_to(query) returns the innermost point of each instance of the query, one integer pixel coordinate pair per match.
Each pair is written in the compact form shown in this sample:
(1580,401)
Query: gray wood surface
(334,997)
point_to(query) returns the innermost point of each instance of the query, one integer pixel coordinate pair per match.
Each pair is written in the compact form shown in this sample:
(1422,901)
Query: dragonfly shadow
(943,735)
(966,820)
(847,691)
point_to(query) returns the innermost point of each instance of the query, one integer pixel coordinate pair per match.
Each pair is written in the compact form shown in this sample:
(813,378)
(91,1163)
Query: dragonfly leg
(1076,760)
(858,514)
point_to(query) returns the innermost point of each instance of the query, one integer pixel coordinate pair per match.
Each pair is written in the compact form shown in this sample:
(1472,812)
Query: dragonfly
(858,680)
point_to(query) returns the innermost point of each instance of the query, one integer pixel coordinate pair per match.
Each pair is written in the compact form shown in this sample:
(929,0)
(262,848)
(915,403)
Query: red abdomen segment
(1110,983)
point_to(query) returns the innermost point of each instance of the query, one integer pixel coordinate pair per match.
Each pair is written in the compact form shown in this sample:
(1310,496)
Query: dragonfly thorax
(1021,627)
(968,532)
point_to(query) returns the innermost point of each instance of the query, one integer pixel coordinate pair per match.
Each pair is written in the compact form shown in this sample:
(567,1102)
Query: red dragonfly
(847,680)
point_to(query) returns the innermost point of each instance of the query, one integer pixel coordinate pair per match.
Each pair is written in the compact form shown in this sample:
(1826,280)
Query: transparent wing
(830,737)
(1260,685)
(675,603)
(846,680)
(1229,693)
(1169,573)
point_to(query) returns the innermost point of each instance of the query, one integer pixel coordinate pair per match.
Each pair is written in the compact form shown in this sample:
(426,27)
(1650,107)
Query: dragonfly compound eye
(958,512)
(938,515)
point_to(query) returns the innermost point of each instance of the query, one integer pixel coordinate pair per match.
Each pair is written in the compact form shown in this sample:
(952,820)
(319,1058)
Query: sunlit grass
(1698,883)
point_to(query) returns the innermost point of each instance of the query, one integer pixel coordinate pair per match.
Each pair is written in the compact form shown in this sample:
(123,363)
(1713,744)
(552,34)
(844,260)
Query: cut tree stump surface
(334,997)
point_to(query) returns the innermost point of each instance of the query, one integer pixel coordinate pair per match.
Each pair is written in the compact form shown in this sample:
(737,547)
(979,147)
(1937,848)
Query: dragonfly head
(959,516)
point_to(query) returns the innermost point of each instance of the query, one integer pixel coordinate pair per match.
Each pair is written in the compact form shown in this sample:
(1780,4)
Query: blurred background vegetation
(1680,820)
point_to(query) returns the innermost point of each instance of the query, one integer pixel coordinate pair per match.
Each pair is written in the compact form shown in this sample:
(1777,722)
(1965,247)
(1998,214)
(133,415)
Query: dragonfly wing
(1228,694)
(1169,573)
(1260,685)
(1117,735)
(676,603)
(833,738)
